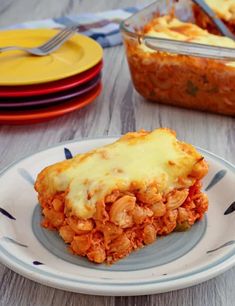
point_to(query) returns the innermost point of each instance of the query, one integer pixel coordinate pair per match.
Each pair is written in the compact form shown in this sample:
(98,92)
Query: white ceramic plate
(176,261)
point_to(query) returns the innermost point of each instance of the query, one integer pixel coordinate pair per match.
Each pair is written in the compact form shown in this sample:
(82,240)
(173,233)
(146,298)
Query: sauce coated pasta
(135,211)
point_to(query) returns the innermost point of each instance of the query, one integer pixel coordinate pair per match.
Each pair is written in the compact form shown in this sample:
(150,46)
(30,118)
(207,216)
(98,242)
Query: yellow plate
(77,55)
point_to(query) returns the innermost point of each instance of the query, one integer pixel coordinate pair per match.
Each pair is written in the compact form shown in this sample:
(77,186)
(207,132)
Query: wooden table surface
(119,109)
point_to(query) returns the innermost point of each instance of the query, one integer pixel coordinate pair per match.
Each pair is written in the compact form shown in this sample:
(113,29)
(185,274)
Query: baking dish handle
(190,49)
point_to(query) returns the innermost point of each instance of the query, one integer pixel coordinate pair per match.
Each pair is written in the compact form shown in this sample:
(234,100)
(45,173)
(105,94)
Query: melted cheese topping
(223,8)
(172,28)
(140,157)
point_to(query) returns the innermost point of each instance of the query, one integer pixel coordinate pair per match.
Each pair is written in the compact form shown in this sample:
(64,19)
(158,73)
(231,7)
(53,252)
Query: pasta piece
(149,234)
(120,212)
(176,198)
(67,233)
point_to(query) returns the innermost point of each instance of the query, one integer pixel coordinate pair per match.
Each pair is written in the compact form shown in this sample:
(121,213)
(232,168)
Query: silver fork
(51,45)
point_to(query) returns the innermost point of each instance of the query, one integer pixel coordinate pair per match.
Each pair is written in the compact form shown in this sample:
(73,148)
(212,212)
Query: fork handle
(11,48)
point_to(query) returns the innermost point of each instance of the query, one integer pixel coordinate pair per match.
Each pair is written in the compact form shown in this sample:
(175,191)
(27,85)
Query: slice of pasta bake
(115,199)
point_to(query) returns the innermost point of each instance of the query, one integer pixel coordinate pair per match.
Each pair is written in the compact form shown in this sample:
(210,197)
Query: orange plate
(44,114)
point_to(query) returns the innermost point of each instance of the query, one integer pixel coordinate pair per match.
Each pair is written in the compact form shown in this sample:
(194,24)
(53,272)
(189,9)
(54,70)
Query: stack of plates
(35,89)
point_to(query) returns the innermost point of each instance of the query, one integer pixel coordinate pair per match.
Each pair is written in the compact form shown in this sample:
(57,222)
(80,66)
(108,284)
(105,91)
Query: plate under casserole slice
(115,199)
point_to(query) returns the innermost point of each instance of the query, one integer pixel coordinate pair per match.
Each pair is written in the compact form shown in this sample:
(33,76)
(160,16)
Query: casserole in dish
(174,61)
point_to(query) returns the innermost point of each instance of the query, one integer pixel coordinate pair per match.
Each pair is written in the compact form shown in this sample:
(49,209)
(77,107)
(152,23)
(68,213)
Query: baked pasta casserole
(182,80)
(113,200)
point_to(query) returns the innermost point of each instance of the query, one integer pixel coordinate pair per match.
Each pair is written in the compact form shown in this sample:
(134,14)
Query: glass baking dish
(191,75)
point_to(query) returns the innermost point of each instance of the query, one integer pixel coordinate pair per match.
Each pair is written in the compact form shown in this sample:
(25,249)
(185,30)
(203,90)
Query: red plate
(40,115)
(7,104)
(51,87)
